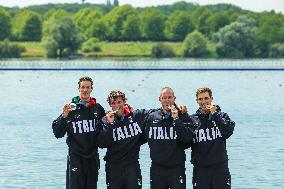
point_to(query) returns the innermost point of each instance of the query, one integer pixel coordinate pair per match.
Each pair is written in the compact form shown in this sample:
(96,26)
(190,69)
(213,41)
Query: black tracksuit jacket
(209,143)
(123,138)
(168,138)
(81,128)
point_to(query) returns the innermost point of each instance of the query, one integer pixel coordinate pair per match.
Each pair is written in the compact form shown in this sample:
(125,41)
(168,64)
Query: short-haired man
(169,132)
(79,120)
(209,155)
(121,133)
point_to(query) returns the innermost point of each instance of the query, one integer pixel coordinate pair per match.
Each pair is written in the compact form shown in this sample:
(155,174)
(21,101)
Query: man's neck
(84,99)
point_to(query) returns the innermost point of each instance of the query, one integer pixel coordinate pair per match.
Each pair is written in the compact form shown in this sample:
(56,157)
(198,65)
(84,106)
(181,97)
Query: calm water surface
(31,157)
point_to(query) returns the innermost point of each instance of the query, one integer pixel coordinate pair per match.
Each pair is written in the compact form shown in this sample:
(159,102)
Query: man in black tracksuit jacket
(168,133)
(81,128)
(209,155)
(121,133)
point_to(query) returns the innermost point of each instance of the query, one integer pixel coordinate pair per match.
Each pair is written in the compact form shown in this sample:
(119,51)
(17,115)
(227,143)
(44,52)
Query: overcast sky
(254,5)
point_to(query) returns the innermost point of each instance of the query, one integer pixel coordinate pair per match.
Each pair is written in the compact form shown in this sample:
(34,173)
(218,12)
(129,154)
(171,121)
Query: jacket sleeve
(101,112)
(105,133)
(142,115)
(185,127)
(59,127)
(224,123)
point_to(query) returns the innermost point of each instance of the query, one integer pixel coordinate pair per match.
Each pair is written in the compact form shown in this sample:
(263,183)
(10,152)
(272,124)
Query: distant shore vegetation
(110,30)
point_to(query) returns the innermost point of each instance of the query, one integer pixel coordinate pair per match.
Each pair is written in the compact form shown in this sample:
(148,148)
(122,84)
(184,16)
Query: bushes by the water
(162,51)
(91,45)
(10,50)
(277,50)
(195,45)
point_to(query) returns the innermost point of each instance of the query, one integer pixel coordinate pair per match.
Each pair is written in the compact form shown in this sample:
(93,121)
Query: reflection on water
(32,158)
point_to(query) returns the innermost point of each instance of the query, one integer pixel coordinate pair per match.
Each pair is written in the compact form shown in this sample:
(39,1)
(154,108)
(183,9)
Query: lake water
(31,157)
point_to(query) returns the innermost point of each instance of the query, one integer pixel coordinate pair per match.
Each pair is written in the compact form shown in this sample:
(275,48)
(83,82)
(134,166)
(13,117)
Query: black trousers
(213,177)
(167,177)
(82,173)
(123,176)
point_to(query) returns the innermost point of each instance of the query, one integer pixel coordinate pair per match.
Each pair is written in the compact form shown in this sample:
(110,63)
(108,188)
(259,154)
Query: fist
(65,110)
(174,113)
(110,116)
(211,108)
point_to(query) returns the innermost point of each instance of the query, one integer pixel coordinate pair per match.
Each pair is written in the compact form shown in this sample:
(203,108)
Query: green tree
(269,31)
(178,26)
(5,23)
(27,26)
(56,13)
(153,25)
(161,50)
(10,50)
(200,16)
(217,21)
(98,30)
(195,45)
(131,28)
(237,39)
(61,37)
(114,21)
(85,17)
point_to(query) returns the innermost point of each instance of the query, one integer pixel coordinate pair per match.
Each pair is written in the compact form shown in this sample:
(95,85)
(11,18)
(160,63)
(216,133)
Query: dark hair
(85,78)
(203,90)
(114,95)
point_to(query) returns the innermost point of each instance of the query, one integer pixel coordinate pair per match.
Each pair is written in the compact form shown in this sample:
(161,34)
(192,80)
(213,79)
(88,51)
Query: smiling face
(203,100)
(85,89)
(116,99)
(117,104)
(167,98)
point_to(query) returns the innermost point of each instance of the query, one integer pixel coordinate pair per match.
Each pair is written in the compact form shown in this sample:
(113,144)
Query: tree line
(63,28)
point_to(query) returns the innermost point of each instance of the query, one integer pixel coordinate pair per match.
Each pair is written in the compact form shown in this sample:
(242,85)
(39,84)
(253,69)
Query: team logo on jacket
(84,126)
(203,135)
(126,131)
(158,133)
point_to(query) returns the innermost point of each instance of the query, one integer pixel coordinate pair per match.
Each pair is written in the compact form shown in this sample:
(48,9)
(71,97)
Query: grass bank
(112,49)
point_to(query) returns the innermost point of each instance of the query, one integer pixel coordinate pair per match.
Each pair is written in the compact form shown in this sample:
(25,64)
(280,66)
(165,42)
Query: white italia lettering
(166,135)
(92,128)
(86,126)
(160,133)
(79,124)
(202,136)
(155,133)
(218,133)
(171,133)
(207,134)
(120,134)
(213,133)
(196,136)
(131,130)
(74,126)
(136,128)
(125,132)
(113,134)
(150,132)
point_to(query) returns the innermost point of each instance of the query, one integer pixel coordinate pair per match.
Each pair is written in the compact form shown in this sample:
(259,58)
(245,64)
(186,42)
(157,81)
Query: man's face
(117,104)
(167,98)
(203,100)
(85,90)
